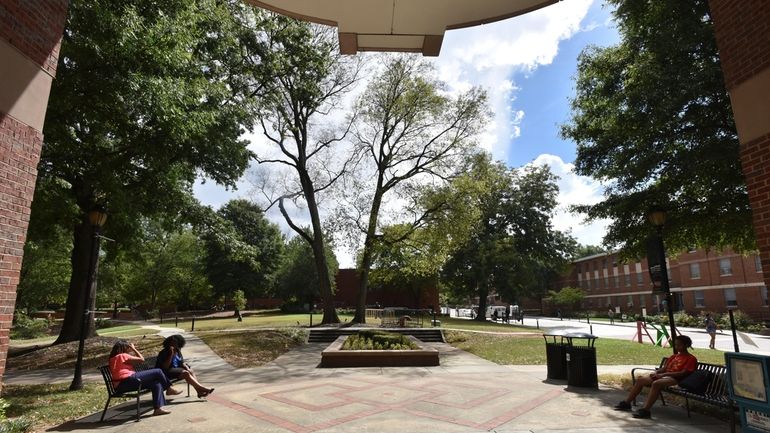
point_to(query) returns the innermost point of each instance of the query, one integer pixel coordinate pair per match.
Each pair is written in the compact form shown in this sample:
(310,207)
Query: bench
(714,392)
(148,363)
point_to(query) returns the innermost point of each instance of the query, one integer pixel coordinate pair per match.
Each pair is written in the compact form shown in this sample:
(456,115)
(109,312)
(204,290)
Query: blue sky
(545,92)
(527,65)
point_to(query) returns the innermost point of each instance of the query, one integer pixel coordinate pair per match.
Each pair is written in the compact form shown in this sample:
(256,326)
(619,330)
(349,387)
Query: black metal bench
(715,392)
(148,363)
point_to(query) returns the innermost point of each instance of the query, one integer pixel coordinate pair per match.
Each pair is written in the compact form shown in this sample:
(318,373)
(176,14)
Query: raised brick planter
(333,356)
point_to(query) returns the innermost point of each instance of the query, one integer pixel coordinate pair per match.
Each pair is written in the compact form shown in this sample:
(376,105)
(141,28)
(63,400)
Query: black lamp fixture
(97,216)
(657,217)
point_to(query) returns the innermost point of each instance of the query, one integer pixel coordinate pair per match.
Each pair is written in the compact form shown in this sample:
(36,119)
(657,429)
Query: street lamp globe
(657,217)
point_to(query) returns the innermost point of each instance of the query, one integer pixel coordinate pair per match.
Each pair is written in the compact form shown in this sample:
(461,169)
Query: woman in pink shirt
(123,358)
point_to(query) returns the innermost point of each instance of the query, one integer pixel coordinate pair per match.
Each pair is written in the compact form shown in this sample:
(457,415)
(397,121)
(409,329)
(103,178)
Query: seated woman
(123,358)
(677,368)
(171,361)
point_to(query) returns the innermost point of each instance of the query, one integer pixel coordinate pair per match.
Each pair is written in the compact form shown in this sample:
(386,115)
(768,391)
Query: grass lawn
(252,348)
(272,319)
(503,349)
(51,404)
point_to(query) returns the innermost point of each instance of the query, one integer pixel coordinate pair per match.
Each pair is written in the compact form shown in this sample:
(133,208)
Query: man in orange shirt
(677,368)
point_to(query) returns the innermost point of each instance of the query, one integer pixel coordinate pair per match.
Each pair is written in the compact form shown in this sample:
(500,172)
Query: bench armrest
(633,372)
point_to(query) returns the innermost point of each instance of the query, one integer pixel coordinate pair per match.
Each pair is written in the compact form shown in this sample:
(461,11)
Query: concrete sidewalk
(465,394)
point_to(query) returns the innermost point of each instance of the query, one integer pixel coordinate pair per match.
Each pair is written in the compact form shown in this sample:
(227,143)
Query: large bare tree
(308,79)
(409,132)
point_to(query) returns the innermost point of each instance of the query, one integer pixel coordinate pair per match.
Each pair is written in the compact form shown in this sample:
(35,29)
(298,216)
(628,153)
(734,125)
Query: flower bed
(336,356)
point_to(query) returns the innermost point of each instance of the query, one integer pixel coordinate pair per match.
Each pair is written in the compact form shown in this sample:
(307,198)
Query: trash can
(555,355)
(581,360)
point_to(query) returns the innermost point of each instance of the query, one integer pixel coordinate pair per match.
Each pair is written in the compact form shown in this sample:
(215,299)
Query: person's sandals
(641,413)
(623,405)
(160,411)
(205,393)
(172,391)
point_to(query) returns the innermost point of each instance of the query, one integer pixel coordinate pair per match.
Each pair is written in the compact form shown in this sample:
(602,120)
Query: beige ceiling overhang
(399,25)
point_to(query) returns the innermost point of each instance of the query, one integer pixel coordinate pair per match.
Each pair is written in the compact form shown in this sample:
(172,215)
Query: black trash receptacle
(556,355)
(581,360)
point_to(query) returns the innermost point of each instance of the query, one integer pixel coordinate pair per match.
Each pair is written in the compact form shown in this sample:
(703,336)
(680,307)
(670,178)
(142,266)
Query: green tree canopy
(513,248)
(652,119)
(297,278)
(143,103)
(254,275)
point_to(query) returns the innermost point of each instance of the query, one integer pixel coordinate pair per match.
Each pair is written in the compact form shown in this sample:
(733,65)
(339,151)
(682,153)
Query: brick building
(418,296)
(700,280)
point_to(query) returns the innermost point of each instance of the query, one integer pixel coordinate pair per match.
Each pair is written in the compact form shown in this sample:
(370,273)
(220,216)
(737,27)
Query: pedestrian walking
(711,329)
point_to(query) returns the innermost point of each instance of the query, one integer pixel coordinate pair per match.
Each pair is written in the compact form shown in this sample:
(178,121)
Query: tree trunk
(319,253)
(483,291)
(78,292)
(368,255)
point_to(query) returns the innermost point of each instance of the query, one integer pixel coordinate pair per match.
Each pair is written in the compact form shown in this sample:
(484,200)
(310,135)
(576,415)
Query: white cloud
(575,189)
(488,56)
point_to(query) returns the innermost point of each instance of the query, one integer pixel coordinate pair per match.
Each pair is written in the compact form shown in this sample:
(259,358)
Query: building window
(617,281)
(695,271)
(725,267)
(692,249)
(757,264)
(730,299)
(627,279)
(764,295)
(700,300)
(606,282)
(630,302)
(604,263)
(639,279)
(641,301)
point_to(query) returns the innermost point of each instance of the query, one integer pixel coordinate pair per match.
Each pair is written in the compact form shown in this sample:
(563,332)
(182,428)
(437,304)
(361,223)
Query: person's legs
(655,388)
(713,336)
(637,388)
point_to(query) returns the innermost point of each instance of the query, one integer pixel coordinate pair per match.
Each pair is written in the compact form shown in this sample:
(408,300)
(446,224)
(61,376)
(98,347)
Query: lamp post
(657,218)
(96,217)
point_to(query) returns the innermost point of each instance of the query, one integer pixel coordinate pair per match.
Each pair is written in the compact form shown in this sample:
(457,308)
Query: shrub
(378,340)
(25,327)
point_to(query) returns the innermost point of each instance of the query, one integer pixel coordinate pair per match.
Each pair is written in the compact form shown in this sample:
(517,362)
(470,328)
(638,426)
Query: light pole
(97,217)
(657,218)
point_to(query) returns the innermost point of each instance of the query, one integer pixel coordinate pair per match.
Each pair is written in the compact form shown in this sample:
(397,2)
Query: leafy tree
(228,271)
(652,119)
(45,273)
(409,132)
(568,298)
(405,261)
(168,270)
(145,100)
(239,301)
(513,242)
(297,277)
(588,250)
(304,79)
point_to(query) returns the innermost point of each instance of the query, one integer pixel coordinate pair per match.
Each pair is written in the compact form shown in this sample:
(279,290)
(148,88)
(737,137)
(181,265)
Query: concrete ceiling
(399,25)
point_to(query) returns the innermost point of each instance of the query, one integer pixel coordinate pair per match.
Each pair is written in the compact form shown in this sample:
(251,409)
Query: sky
(527,64)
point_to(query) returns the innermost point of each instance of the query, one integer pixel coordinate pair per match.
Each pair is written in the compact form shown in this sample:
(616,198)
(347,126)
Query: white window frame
(700,299)
(730,302)
(725,271)
(695,267)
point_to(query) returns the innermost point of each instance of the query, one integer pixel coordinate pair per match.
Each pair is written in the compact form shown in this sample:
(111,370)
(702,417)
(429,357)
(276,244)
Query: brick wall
(35,29)
(742,30)
(19,153)
(743,35)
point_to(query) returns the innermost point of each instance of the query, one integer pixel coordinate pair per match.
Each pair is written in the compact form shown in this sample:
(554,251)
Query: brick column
(743,37)
(30,36)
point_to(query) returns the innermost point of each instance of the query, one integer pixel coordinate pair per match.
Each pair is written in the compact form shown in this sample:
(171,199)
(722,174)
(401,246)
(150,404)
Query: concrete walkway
(465,394)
